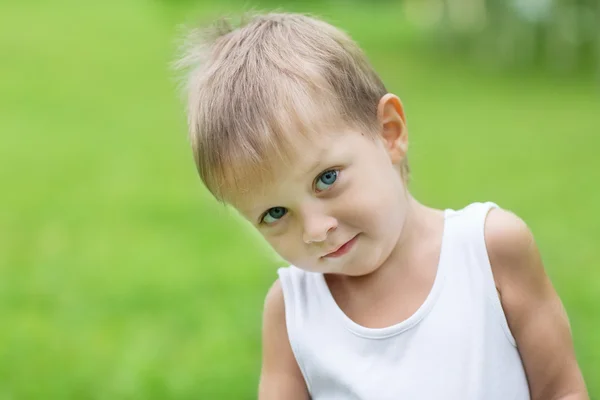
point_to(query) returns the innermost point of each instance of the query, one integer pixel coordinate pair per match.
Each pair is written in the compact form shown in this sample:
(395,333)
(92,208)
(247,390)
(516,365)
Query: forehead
(306,159)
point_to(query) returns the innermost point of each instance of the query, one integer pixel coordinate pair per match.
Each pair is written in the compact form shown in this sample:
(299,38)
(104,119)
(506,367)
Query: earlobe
(393,127)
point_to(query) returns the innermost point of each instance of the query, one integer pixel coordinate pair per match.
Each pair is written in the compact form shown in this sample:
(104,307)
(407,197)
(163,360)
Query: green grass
(120,278)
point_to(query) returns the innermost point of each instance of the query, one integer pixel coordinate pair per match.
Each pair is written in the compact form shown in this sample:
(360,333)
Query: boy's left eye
(326,179)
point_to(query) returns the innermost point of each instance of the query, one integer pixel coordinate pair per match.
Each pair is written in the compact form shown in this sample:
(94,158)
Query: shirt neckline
(406,324)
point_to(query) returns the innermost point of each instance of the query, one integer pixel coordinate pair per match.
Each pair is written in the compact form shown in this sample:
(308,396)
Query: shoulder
(507,236)
(274,306)
(274,322)
(533,309)
(281,377)
(513,253)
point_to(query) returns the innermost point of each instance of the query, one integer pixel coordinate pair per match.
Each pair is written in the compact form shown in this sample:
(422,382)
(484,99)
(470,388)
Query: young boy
(386,298)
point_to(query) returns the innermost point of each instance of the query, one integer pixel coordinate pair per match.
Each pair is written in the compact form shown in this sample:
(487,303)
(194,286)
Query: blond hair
(253,90)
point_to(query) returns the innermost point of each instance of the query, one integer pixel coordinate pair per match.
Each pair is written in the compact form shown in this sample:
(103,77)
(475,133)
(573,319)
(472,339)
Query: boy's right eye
(273,215)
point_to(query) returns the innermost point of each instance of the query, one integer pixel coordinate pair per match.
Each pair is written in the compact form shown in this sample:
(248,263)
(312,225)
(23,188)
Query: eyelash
(338,172)
(337,177)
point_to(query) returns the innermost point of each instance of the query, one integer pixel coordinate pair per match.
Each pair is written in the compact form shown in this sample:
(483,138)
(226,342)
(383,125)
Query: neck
(421,225)
(414,253)
(417,224)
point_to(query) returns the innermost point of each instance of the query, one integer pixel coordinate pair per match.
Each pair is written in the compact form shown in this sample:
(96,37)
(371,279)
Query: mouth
(343,249)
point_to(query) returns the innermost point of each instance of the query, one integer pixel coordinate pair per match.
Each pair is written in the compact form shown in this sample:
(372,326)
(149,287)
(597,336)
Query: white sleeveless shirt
(456,346)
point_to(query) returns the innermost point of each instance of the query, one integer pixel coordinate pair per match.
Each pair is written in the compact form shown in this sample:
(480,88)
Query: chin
(379,258)
(353,269)
(365,271)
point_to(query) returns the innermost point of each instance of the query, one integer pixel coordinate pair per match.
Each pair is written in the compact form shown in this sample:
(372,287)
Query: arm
(533,309)
(280,376)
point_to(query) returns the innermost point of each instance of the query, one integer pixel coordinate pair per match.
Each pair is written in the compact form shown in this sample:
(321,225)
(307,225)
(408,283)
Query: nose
(317,225)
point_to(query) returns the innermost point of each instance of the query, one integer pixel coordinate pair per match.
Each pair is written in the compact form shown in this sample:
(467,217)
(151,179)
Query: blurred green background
(120,278)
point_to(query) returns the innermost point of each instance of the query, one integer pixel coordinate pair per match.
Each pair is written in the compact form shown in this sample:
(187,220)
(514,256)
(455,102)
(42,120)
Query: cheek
(293,251)
(287,245)
(378,205)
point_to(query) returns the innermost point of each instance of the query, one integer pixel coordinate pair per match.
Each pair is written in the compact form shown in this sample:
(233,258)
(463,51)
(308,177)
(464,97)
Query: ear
(393,127)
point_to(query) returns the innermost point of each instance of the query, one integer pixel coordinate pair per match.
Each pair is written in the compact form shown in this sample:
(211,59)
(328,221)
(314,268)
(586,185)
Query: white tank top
(456,346)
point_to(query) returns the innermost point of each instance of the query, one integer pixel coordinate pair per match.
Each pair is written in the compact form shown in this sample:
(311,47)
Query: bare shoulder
(274,306)
(280,374)
(516,262)
(275,336)
(512,250)
(533,309)
(507,236)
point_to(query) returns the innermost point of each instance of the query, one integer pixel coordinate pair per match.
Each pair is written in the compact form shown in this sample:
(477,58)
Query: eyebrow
(313,166)
(318,160)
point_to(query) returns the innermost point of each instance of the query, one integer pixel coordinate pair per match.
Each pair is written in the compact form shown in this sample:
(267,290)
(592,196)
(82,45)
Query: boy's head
(285,111)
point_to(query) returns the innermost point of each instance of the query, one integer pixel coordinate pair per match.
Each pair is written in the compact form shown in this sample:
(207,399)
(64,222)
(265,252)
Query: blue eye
(273,215)
(326,179)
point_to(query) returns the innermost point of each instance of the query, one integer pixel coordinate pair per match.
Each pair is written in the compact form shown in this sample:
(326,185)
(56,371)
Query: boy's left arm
(533,310)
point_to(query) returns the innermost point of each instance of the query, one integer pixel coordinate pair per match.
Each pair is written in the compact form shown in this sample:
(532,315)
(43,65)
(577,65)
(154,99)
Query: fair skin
(352,190)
